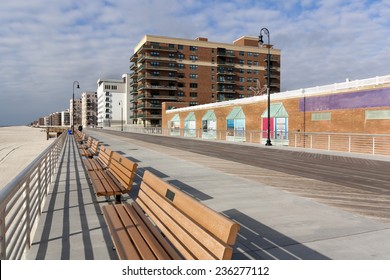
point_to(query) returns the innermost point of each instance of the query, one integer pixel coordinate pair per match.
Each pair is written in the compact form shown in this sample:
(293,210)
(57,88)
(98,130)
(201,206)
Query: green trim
(236,113)
(277,110)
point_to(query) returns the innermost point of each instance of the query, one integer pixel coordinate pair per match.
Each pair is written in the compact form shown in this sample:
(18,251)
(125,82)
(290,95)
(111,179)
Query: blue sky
(45,45)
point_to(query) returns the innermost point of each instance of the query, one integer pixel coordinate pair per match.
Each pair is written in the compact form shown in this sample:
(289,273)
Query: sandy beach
(19,146)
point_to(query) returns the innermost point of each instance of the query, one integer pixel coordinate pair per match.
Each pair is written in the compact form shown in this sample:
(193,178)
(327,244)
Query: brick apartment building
(196,72)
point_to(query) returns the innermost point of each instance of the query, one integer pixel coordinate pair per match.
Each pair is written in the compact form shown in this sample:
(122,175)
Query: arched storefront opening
(278,124)
(235,125)
(209,125)
(190,125)
(174,125)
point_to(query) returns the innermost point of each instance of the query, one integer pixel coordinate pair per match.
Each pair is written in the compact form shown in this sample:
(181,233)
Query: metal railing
(22,200)
(376,144)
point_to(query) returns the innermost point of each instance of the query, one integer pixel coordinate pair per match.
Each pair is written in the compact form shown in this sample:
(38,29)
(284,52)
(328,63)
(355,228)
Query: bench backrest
(105,155)
(89,141)
(95,146)
(195,230)
(123,169)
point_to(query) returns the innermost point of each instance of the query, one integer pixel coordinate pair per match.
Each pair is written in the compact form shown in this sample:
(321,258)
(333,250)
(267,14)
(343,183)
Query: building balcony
(226,91)
(148,116)
(225,54)
(157,48)
(161,78)
(226,82)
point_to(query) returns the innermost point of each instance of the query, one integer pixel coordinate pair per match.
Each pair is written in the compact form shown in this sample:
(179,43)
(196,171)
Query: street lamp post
(261,42)
(78,86)
(120,104)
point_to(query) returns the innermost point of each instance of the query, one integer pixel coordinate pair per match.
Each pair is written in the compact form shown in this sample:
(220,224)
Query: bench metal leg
(118,199)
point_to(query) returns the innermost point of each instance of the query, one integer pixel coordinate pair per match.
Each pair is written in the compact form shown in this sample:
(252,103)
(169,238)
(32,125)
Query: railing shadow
(69,196)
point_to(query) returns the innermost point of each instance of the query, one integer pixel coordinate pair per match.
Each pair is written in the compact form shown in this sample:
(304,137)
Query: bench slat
(151,237)
(173,254)
(123,245)
(133,226)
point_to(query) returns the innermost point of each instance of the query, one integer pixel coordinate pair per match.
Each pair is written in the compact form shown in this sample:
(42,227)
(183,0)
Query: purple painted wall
(351,100)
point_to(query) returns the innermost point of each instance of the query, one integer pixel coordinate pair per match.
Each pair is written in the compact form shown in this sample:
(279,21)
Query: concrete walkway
(275,224)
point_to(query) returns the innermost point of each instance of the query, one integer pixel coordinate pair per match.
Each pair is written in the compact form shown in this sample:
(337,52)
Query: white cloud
(46,45)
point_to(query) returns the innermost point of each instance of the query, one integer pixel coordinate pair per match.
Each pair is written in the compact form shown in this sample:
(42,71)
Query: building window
(180,66)
(114,87)
(193,57)
(180,47)
(193,85)
(180,94)
(255,63)
(193,94)
(242,79)
(180,56)
(193,76)
(249,62)
(193,67)
(172,65)
(171,46)
(171,55)
(193,48)
(241,53)
(256,54)
(241,62)
(107,87)
(154,53)
(193,103)
(249,54)
(155,63)
(378,115)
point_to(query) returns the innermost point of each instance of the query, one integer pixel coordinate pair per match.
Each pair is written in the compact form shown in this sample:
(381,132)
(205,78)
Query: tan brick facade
(343,111)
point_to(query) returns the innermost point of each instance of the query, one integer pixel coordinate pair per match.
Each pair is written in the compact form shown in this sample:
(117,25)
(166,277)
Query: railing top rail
(11,188)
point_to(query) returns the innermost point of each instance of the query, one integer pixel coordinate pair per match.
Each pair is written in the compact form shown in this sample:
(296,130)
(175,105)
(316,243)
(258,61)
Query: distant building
(196,72)
(113,97)
(77,112)
(89,109)
(65,118)
(55,119)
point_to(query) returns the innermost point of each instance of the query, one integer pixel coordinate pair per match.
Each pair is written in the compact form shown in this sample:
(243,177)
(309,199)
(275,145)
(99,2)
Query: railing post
(3,251)
(373,145)
(28,212)
(329,142)
(349,143)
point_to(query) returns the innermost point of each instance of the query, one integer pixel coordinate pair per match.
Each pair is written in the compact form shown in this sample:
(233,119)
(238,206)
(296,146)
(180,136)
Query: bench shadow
(259,242)
(198,195)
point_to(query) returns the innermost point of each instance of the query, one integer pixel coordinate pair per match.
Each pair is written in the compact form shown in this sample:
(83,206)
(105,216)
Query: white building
(89,109)
(65,118)
(113,102)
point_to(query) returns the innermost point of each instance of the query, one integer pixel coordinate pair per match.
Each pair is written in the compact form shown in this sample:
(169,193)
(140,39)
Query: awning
(235,114)
(276,111)
(190,117)
(175,118)
(209,116)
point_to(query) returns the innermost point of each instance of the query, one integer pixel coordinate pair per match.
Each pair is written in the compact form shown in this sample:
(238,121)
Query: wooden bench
(92,151)
(101,162)
(79,136)
(165,223)
(116,180)
(86,145)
